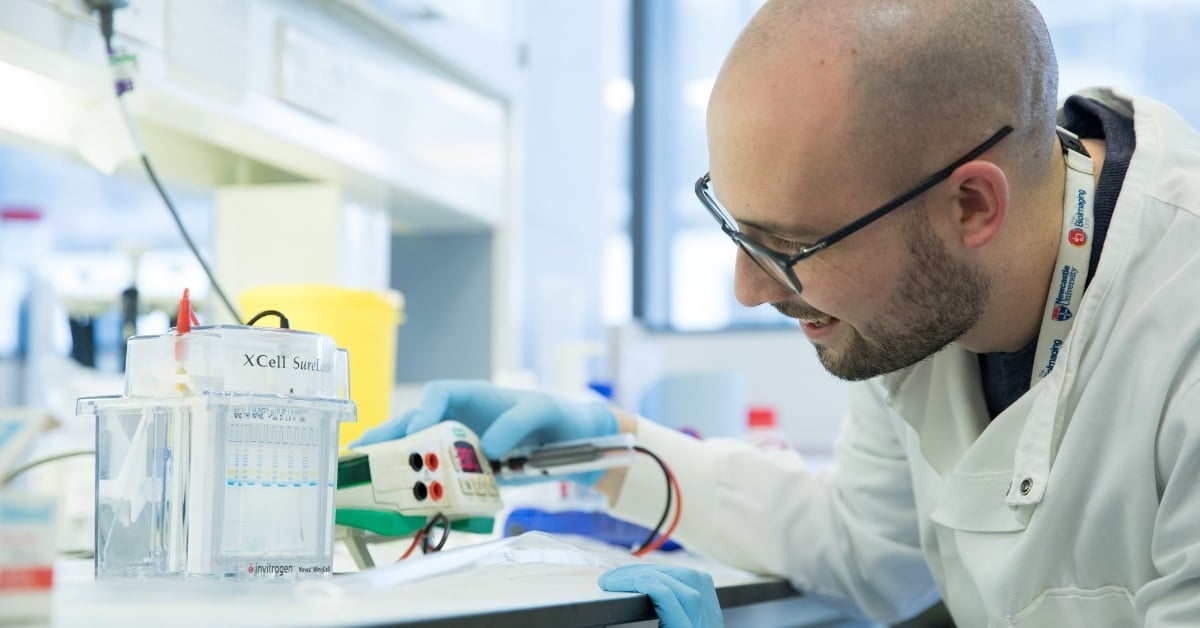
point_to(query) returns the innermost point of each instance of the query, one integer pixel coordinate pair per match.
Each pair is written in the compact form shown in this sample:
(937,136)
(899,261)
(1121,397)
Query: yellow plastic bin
(363,322)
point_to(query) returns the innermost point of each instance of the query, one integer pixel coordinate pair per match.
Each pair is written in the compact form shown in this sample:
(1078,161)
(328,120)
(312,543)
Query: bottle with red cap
(25,329)
(24,237)
(762,429)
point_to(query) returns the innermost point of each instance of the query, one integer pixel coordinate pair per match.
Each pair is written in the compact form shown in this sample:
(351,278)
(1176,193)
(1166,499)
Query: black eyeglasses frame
(779,265)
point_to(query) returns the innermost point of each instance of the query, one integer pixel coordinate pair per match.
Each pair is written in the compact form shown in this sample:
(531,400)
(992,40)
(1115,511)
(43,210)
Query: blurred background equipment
(25,242)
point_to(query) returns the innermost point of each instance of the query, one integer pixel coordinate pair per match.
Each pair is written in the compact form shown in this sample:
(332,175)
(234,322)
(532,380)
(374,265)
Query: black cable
(106,26)
(283,321)
(106,8)
(667,510)
(188,239)
(426,548)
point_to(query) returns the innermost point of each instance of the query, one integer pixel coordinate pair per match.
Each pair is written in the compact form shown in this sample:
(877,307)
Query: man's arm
(1173,599)
(853,535)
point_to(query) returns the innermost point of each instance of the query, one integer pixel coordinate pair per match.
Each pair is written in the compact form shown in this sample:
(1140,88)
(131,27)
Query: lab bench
(492,596)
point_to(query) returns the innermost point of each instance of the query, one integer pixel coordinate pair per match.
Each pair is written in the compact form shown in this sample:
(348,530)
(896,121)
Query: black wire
(426,548)
(106,27)
(106,31)
(667,510)
(283,321)
(188,239)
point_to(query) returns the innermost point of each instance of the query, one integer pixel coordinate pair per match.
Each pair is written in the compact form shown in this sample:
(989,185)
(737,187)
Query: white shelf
(425,184)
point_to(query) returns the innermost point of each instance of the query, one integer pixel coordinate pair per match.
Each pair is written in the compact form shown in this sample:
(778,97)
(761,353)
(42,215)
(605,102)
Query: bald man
(1020,315)
(1016,302)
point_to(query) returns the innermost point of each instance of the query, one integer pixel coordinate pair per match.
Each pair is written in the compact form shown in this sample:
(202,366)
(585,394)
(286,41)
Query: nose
(753,286)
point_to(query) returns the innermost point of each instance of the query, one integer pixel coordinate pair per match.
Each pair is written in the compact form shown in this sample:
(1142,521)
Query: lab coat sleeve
(851,534)
(1173,599)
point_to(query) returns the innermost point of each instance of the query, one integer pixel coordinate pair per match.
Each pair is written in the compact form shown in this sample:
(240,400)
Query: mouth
(820,330)
(801,311)
(817,322)
(816,325)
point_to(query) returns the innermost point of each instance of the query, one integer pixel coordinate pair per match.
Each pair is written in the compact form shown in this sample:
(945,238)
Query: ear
(980,192)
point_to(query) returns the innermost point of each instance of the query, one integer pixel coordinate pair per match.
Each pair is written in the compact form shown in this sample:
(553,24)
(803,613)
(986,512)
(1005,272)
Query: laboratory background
(513,180)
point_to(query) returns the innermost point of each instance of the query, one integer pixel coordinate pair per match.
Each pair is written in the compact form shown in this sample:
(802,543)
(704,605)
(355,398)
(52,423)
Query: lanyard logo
(1066,290)
(1077,237)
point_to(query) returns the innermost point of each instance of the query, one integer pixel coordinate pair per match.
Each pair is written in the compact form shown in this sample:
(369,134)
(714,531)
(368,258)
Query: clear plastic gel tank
(220,459)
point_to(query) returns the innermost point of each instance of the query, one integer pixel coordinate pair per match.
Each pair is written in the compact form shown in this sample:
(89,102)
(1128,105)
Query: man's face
(933,300)
(786,165)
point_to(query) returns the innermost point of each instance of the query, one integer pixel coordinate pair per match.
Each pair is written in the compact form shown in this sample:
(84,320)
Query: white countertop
(531,580)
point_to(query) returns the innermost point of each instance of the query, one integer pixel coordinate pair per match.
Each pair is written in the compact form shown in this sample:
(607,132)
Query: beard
(938,301)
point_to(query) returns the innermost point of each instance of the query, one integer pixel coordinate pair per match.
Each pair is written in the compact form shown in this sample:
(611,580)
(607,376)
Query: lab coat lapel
(943,402)
(973,493)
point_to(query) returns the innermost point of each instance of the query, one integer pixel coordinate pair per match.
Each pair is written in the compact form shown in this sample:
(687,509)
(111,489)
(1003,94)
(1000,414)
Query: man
(1019,315)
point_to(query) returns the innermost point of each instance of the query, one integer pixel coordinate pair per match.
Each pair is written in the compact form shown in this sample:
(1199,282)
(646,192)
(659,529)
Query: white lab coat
(927,498)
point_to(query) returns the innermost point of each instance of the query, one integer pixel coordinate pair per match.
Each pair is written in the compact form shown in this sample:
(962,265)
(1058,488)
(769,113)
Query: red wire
(416,541)
(650,547)
(666,536)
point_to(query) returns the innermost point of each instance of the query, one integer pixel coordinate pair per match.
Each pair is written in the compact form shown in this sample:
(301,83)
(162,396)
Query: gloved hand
(504,419)
(682,597)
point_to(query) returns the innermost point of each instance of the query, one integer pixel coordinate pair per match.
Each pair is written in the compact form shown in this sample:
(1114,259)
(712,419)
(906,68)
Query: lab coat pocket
(974,502)
(1095,608)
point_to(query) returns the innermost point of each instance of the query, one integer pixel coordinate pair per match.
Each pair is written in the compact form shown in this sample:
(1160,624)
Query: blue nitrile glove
(682,597)
(504,419)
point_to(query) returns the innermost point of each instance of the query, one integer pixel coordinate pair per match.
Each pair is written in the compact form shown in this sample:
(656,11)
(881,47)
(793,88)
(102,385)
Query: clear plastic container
(220,460)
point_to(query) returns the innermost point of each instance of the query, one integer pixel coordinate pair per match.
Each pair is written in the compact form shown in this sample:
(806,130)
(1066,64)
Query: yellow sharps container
(363,322)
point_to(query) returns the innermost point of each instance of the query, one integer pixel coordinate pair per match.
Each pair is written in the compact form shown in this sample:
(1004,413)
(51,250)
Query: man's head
(826,109)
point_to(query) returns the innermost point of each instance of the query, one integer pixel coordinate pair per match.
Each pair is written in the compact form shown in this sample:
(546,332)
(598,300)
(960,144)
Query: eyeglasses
(779,265)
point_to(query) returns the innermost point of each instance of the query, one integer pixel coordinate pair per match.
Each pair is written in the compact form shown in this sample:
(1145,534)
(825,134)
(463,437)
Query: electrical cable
(651,544)
(416,540)
(106,9)
(670,529)
(12,475)
(162,192)
(188,239)
(426,548)
(422,536)
(283,320)
(123,85)
(666,510)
